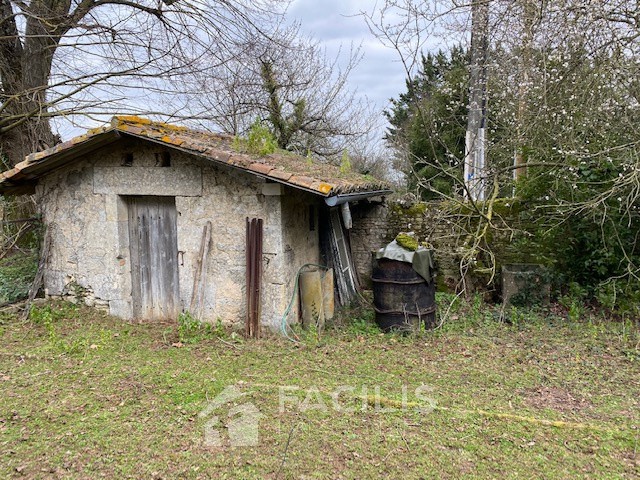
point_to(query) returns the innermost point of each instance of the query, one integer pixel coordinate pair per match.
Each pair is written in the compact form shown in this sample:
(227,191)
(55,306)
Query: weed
(192,330)
(345,162)
(574,301)
(448,306)
(364,324)
(259,141)
(515,315)
(621,297)
(16,276)
(51,314)
(44,316)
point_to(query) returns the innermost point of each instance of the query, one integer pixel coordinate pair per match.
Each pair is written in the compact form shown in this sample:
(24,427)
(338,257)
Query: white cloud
(336,23)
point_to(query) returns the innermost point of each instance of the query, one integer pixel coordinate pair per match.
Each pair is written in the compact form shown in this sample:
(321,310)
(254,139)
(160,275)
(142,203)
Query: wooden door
(153,242)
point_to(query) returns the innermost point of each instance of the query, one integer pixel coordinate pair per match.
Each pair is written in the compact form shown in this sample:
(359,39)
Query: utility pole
(474,158)
(529,18)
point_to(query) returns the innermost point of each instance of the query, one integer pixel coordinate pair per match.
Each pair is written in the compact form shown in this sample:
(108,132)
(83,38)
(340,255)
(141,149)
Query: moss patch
(407,241)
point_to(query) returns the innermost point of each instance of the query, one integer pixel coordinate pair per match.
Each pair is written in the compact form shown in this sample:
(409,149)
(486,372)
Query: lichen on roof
(284,167)
(123,121)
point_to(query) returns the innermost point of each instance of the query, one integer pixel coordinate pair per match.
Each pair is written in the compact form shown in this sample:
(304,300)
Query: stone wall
(301,239)
(85,209)
(86,257)
(377,224)
(371,231)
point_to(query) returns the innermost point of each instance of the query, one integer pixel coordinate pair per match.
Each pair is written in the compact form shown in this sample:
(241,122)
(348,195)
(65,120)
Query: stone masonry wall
(377,224)
(86,213)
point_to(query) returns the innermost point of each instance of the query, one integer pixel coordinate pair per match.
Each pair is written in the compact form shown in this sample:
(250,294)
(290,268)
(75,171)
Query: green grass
(83,395)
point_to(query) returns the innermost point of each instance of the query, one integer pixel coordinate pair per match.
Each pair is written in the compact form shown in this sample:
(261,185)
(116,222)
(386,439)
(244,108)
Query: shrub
(192,330)
(16,276)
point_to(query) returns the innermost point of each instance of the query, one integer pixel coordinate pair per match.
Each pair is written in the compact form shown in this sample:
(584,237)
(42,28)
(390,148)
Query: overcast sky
(335,24)
(380,75)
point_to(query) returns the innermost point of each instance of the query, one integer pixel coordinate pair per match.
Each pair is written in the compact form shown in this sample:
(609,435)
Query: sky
(337,26)
(336,23)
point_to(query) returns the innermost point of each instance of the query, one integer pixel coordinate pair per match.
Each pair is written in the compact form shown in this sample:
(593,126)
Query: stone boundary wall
(377,224)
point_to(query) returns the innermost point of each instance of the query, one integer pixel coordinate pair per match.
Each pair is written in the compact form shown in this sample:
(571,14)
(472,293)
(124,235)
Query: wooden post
(200,276)
(253,276)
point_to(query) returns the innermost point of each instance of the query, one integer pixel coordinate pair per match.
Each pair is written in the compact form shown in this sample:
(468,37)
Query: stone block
(169,181)
(271,189)
(121,308)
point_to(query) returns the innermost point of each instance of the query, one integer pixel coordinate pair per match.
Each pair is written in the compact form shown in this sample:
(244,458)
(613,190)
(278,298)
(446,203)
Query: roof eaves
(21,177)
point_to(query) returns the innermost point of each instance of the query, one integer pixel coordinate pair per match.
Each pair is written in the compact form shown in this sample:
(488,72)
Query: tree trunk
(25,68)
(529,12)
(30,136)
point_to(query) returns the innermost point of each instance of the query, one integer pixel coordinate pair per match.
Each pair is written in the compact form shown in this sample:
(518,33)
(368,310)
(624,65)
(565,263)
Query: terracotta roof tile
(280,175)
(218,155)
(303,181)
(263,168)
(294,170)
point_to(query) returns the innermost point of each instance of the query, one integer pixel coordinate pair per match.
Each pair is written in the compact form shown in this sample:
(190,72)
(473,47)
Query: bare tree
(71,57)
(292,85)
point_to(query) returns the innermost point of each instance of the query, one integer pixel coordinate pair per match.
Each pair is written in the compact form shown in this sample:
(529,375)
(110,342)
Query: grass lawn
(83,395)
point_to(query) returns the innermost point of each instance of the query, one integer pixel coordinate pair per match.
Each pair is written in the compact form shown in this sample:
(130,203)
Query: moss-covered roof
(323,179)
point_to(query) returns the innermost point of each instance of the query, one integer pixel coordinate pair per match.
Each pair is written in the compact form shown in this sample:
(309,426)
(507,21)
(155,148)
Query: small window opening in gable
(163,159)
(127,159)
(312,218)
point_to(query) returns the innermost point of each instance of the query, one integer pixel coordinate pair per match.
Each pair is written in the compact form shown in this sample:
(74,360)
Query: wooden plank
(154,265)
(173,305)
(134,250)
(165,236)
(146,297)
(39,278)
(253,275)
(258,278)
(248,275)
(343,267)
(200,275)
(154,251)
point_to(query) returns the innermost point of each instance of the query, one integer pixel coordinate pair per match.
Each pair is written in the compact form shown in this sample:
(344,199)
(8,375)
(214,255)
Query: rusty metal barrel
(402,298)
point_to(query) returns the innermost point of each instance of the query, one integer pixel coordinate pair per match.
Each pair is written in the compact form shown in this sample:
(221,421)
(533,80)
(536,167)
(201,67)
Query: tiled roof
(300,172)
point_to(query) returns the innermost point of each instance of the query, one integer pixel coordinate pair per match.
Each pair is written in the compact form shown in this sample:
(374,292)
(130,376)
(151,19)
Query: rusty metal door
(153,242)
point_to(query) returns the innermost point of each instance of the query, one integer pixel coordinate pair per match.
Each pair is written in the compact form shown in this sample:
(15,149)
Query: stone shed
(147,220)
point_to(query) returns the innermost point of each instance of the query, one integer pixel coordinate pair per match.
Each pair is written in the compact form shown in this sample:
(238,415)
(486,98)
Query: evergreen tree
(428,122)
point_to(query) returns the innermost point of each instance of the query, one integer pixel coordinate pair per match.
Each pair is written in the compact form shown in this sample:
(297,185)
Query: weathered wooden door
(153,242)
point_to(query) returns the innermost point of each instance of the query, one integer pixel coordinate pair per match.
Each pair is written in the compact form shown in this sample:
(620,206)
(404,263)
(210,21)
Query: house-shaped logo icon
(242,422)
